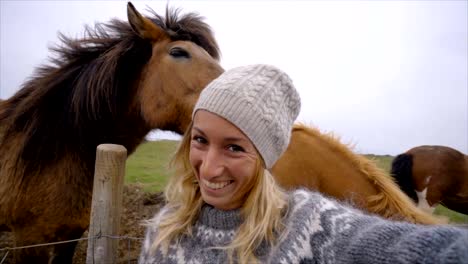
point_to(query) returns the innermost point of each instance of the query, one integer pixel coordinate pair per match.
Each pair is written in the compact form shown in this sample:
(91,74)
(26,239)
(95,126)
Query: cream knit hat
(258,99)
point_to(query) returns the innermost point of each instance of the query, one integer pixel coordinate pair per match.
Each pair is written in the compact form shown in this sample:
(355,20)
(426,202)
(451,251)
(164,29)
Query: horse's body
(433,175)
(320,162)
(113,86)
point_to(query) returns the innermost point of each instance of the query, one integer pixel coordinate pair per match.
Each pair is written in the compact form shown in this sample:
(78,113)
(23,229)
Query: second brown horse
(433,175)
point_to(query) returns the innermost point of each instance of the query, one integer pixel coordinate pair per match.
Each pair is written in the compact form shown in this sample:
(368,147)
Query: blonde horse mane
(390,198)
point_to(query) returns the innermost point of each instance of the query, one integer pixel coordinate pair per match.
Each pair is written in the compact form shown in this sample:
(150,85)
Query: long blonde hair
(261,212)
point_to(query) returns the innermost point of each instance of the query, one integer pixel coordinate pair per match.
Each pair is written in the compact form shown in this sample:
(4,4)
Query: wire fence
(107,196)
(137,206)
(129,239)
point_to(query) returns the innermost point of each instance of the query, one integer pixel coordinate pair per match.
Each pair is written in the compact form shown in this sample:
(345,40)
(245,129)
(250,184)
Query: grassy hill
(148,167)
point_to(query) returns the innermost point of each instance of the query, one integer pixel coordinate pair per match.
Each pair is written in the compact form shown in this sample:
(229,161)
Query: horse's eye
(179,52)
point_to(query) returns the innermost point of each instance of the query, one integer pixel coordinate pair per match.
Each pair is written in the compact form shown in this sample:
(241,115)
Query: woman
(224,206)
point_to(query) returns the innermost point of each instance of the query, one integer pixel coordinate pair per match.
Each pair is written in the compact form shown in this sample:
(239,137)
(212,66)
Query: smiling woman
(224,206)
(224,161)
(221,165)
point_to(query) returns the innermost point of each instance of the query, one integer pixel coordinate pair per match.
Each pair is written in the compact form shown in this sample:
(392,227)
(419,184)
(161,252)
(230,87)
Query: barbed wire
(43,244)
(8,249)
(71,240)
(4,257)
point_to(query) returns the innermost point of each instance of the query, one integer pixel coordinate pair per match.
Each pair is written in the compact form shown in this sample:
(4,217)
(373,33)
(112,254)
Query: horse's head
(113,86)
(184,59)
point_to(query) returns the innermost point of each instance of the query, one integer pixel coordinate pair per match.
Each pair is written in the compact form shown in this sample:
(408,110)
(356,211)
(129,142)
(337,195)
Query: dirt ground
(137,206)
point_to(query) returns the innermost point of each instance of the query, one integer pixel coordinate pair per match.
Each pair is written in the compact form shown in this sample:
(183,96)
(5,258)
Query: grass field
(148,167)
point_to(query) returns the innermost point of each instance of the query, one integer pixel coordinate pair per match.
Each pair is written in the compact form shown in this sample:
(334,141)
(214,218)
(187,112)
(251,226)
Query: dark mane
(401,171)
(79,100)
(188,27)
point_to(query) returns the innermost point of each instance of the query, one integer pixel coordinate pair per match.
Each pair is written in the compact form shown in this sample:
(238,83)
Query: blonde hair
(261,212)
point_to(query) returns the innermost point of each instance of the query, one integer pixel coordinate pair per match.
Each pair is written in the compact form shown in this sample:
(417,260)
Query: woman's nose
(212,164)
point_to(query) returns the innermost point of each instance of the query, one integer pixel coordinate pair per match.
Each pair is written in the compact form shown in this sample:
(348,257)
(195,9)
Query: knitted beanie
(258,99)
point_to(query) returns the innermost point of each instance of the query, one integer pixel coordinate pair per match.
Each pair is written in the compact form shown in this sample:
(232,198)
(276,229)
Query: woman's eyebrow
(235,139)
(198,130)
(227,139)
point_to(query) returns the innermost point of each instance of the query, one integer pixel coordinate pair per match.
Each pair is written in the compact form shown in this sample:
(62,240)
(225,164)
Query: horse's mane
(401,170)
(82,96)
(332,141)
(188,27)
(390,195)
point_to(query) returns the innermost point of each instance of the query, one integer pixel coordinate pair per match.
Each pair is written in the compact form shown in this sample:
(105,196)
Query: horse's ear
(142,25)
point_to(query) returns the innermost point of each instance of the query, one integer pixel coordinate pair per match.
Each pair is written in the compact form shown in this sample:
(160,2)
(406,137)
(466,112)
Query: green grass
(148,167)
(383,161)
(455,217)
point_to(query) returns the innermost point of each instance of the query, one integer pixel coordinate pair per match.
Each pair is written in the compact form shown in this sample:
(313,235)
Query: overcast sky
(383,75)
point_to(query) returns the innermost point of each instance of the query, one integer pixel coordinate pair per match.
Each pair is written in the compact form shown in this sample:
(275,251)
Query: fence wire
(99,236)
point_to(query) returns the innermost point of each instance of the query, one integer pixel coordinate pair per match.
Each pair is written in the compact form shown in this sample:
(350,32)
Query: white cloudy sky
(383,75)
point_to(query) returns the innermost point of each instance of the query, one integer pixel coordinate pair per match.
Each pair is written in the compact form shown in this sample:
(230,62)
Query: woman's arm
(375,240)
(321,230)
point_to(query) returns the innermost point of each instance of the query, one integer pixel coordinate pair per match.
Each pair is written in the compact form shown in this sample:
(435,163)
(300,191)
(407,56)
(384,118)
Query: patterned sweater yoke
(318,230)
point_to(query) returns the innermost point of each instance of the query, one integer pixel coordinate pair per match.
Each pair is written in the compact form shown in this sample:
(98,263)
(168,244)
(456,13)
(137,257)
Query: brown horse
(319,161)
(113,86)
(433,175)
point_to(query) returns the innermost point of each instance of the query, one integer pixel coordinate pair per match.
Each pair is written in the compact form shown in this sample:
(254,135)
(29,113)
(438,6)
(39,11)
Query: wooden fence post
(106,205)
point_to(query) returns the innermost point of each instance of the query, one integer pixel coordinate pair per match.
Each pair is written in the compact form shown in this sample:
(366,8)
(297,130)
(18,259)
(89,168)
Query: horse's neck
(466,166)
(69,138)
(132,133)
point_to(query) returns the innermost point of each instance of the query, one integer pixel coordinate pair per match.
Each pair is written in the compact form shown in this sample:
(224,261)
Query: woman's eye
(179,53)
(199,139)
(235,148)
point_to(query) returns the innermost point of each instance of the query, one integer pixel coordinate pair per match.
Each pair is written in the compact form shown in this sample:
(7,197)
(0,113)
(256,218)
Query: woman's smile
(216,185)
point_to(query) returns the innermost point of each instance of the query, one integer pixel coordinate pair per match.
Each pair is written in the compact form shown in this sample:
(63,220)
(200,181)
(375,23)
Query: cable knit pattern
(261,101)
(318,230)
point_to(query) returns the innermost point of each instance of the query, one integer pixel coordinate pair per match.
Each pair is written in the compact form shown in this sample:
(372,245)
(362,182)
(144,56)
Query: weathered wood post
(106,205)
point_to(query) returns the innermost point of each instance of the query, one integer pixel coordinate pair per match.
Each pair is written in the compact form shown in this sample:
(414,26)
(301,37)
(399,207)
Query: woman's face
(224,160)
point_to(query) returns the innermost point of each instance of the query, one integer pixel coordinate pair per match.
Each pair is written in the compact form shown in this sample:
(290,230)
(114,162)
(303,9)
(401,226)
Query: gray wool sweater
(318,230)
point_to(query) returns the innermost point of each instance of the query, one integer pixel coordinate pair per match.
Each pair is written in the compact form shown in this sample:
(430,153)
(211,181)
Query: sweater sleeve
(375,240)
(356,237)
(321,230)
